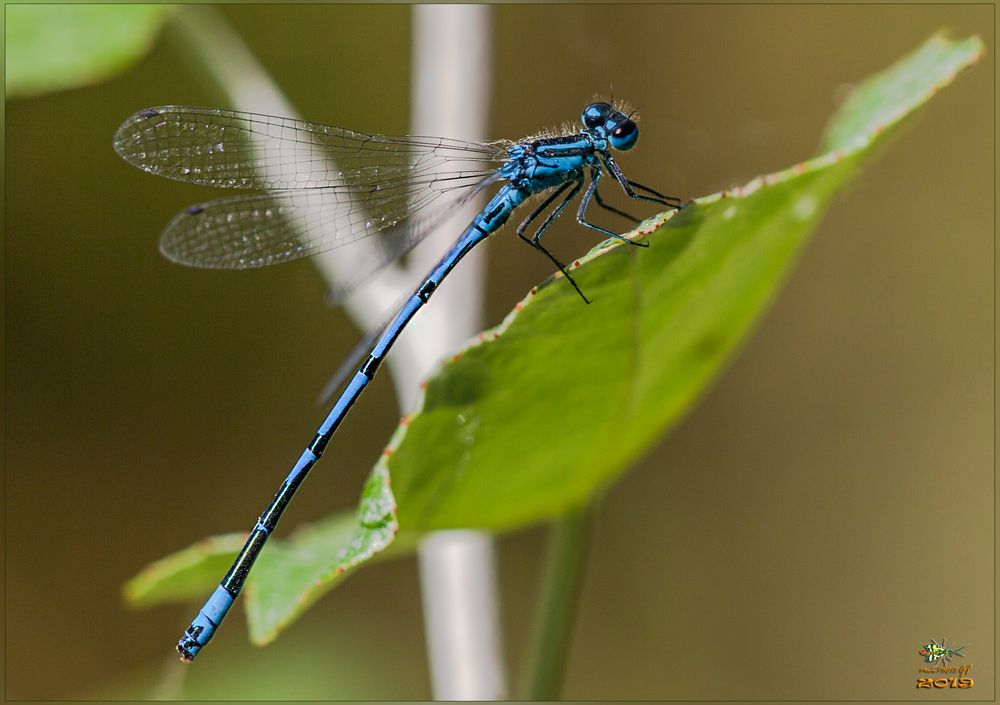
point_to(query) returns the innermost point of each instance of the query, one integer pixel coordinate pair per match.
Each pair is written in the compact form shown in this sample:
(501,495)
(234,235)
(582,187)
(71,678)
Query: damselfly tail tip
(188,645)
(186,656)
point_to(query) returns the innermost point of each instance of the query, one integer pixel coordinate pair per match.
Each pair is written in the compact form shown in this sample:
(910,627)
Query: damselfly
(380,185)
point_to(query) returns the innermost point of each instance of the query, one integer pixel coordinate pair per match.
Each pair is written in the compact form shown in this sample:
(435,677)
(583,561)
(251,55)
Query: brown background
(826,509)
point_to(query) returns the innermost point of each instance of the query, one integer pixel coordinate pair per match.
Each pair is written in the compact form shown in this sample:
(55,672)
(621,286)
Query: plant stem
(451,83)
(565,562)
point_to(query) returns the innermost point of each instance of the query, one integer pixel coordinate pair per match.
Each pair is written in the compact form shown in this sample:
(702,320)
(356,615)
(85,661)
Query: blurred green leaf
(887,97)
(53,47)
(547,409)
(184,575)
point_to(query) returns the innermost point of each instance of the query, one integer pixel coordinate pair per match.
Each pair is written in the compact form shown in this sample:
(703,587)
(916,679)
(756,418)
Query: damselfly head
(617,127)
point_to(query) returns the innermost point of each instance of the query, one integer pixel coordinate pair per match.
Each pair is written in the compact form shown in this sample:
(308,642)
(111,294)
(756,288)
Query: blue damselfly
(381,184)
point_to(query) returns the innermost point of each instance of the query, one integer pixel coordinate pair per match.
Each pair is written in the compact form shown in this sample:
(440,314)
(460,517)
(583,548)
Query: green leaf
(185,575)
(292,573)
(53,47)
(543,412)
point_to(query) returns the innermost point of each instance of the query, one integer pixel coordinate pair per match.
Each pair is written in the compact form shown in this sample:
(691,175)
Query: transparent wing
(260,230)
(329,186)
(397,241)
(232,149)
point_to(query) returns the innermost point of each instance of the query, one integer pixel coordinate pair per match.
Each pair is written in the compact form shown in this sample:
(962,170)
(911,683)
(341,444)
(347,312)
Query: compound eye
(594,115)
(624,136)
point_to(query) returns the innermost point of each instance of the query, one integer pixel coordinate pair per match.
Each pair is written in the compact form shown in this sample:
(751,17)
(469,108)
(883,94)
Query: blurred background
(825,510)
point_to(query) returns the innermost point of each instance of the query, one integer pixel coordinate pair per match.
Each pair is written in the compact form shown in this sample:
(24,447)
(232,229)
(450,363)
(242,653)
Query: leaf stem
(562,581)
